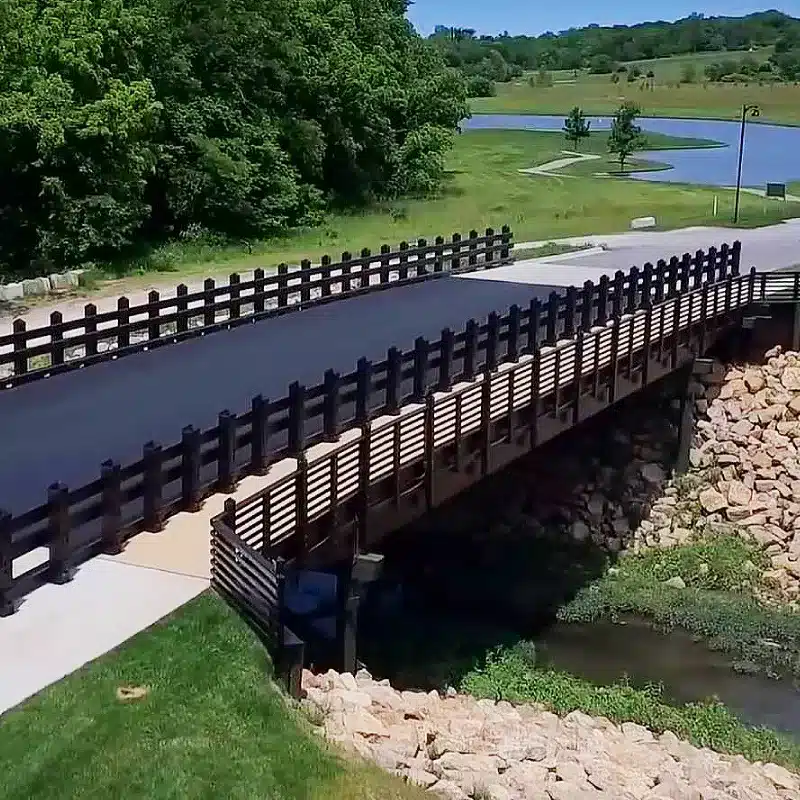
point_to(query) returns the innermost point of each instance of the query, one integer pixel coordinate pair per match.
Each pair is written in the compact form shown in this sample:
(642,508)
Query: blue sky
(533,16)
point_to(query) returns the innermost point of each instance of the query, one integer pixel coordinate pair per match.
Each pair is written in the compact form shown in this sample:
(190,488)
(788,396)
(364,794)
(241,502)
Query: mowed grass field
(484,188)
(210,726)
(596,94)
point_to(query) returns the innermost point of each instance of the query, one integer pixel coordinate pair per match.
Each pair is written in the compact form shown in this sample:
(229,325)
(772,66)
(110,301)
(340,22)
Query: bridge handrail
(96,337)
(100,516)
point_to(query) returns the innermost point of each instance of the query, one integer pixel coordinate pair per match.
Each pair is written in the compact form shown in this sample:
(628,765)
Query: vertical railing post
(234,295)
(514,326)
(226,452)
(421,264)
(420,380)
(394,378)
(259,286)
(90,328)
(402,268)
(505,249)
(724,261)
(385,258)
(633,291)
(259,453)
(551,333)
(570,306)
(305,282)
(325,276)
(447,347)
(57,351)
(472,259)
(455,257)
(489,256)
(111,475)
(331,405)
(618,298)
(283,285)
(698,268)
(711,266)
(347,269)
(438,260)
(123,321)
(587,306)
(20,347)
(153,487)
(60,568)
(366,257)
(191,443)
(685,274)
(470,349)
(297,419)
(8,605)
(492,341)
(736,257)
(182,308)
(534,324)
(363,390)
(209,302)
(602,301)
(153,313)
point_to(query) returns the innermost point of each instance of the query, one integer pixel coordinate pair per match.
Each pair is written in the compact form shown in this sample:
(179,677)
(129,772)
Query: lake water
(772,152)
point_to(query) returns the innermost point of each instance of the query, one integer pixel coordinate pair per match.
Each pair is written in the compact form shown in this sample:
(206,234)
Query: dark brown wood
(297,419)
(421,356)
(8,604)
(181,293)
(191,441)
(113,533)
(56,339)
(394,363)
(259,454)
(153,487)
(60,567)
(446,360)
(331,405)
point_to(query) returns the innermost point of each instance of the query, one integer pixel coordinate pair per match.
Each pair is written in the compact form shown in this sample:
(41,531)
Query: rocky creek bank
(459,747)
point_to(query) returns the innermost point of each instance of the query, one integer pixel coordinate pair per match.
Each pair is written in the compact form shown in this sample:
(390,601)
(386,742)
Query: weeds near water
(511,674)
(720,575)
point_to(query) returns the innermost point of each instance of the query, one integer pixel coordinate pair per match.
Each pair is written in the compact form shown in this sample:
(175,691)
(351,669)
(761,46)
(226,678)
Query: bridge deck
(64,427)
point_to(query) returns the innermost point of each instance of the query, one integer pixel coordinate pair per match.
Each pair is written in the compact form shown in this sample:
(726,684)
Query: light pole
(753,111)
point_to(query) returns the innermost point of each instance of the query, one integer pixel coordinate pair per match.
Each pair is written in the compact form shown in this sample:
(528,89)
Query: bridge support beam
(365,569)
(687,398)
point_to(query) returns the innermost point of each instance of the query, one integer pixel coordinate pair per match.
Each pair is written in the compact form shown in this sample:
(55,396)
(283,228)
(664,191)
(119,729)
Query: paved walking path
(551,168)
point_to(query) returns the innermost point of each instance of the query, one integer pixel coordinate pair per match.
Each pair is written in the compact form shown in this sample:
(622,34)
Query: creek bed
(418,649)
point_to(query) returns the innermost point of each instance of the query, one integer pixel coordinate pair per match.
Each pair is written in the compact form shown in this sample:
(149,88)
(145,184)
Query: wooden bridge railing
(30,354)
(532,356)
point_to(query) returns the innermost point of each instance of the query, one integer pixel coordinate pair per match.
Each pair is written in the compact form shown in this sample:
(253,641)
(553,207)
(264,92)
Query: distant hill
(600,49)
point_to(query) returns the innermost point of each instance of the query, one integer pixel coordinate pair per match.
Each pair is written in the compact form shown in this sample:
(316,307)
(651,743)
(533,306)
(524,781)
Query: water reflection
(772,151)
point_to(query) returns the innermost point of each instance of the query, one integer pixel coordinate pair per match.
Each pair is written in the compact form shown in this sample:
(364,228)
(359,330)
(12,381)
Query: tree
(576,127)
(689,73)
(626,136)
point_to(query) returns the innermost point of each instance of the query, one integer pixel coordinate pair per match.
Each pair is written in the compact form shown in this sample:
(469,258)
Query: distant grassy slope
(596,94)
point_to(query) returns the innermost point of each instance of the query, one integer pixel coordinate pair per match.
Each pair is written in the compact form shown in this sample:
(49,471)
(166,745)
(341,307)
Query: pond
(772,152)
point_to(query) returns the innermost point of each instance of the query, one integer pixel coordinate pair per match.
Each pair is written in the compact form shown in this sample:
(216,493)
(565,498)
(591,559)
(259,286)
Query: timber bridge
(496,366)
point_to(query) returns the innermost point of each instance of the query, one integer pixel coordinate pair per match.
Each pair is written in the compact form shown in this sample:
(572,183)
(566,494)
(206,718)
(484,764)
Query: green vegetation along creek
(705,660)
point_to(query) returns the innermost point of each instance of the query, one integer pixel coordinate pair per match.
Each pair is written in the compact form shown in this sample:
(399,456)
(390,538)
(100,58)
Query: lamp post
(753,111)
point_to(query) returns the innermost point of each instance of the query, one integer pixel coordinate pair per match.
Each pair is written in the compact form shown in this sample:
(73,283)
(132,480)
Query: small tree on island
(576,127)
(626,136)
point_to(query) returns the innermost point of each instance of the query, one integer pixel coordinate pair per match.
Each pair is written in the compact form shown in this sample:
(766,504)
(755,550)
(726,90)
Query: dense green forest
(130,121)
(501,58)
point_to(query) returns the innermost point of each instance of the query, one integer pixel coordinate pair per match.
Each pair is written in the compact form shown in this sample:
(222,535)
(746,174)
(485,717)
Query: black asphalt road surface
(62,428)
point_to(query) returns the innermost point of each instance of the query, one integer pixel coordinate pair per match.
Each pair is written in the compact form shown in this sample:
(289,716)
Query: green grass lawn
(596,94)
(212,726)
(483,188)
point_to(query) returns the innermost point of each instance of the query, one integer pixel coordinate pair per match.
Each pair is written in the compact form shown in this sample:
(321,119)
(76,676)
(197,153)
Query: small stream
(416,649)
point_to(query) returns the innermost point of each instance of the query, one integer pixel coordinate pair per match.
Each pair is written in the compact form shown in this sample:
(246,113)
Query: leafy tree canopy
(600,48)
(129,119)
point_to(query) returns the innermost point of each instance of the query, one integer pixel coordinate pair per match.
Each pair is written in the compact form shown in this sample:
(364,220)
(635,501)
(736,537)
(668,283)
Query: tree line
(129,121)
(600,49)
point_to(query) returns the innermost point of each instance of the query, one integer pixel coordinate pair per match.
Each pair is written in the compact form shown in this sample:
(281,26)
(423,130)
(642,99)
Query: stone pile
(459,747)
(745,466)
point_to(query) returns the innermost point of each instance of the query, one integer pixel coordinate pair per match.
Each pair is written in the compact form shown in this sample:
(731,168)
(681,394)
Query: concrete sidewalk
(58,629)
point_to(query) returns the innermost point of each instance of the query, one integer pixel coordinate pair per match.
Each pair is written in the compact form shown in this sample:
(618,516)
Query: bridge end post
(365,569)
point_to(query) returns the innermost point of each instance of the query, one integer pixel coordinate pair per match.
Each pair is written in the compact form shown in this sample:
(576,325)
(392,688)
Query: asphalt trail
(62,428)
